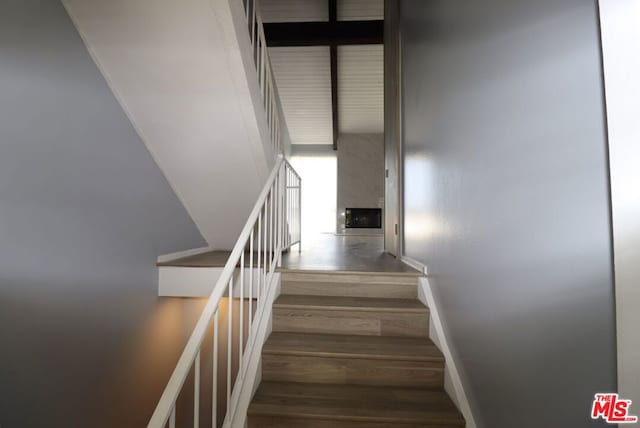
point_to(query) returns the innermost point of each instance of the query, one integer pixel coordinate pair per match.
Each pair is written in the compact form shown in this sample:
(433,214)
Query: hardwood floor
(326,283)
(350,315)
(319,405)
(351,350)
(324,252)
(343,253)
(216,258)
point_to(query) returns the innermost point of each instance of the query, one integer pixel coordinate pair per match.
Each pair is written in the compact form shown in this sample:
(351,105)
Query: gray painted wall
(360,177)
(84,211)
(620,35)
(506,200)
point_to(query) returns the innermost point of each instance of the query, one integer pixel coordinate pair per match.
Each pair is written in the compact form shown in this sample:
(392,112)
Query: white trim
(414,264)
(453,382)
(180,254)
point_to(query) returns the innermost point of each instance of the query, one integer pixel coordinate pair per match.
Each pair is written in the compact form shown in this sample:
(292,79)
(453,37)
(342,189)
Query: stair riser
(350,289)
(352,371)
(343,278)
(369,323)
(280,422)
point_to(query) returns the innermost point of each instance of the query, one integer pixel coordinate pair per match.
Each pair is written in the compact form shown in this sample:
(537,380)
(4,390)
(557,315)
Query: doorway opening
(328,59)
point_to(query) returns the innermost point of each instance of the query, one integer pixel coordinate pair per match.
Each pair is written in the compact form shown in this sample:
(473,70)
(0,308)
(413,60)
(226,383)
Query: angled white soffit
(181,72)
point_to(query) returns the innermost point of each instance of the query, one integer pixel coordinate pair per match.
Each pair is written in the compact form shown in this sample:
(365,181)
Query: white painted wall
(620,24)
(183,74)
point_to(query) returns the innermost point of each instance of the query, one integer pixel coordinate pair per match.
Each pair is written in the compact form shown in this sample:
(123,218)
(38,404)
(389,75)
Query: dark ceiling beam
(334,93)
(325,33)
(333,53)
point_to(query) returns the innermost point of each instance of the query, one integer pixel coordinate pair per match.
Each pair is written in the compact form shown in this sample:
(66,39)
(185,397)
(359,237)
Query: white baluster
(172,419)
(259,256)
(214,395)
(196,393)
(241,326)
(250,286)
(229,343)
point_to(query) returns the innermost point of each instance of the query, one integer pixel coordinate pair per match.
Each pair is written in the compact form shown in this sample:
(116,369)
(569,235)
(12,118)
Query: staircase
(351,350)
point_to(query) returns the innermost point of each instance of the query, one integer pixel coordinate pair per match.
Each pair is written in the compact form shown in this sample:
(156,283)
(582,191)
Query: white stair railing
(271,101)
(272,227)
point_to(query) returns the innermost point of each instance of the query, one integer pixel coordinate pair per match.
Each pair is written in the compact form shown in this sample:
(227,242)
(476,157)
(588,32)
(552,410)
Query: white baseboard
(453,383)
(180,254)
(414,264)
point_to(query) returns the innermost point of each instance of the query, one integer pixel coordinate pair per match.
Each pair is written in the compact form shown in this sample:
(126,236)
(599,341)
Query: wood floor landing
(326,252)
(343,253)
(217,258)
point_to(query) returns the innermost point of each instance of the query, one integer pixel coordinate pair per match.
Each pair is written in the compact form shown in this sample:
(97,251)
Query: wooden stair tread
(290,301)
(210,259)
(351,350)
(352,346)
(406,271)
(217,258)
(355,403)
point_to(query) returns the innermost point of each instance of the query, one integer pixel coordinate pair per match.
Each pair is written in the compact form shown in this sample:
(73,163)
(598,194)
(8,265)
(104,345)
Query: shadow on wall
(83,367)
(82,376)
(142,374)
(507,200)
(84,212)
(153,352)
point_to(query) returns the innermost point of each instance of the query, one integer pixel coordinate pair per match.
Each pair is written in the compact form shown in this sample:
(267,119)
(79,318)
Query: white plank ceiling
(318,10)
(360,10)
(303,74)
(361,89)
(303,77)
(294,10)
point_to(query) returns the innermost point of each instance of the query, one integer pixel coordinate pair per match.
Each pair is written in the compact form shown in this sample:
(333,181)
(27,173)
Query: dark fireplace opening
(363,218)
